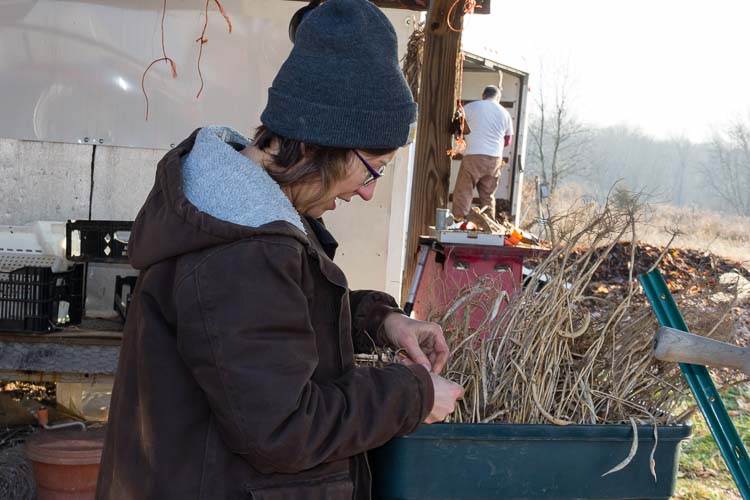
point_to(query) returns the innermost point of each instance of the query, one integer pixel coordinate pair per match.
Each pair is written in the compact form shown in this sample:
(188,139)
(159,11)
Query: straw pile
(557,353)
(16,475)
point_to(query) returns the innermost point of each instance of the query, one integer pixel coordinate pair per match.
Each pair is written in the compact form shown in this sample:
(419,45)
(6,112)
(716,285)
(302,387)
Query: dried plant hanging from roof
(460,141)
(411,63)
(202,40)
(469,6)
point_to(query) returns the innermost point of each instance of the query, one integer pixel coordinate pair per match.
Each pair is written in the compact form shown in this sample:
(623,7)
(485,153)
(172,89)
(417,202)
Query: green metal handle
(703,388)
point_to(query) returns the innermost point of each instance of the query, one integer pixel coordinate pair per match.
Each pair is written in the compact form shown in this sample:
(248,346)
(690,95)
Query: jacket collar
(169,225)
(222,182)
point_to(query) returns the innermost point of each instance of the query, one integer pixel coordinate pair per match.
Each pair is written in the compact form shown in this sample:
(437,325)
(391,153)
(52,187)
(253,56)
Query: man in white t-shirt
(490,131)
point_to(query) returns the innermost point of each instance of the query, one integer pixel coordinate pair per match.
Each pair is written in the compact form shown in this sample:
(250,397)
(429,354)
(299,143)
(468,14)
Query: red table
(452,269)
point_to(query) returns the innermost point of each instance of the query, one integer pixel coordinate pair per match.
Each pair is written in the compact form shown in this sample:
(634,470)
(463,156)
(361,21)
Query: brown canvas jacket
(236,376)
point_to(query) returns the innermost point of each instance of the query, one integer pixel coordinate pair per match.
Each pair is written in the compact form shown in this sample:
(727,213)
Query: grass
(703,474)
(722,234)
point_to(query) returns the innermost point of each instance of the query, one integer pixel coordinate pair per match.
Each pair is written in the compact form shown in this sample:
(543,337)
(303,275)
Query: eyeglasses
(373,174)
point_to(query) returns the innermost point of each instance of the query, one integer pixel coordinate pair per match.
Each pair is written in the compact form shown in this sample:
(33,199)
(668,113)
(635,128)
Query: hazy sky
(667,67)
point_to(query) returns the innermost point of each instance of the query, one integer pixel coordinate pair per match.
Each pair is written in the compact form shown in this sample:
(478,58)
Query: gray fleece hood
(222,182)
(206,194)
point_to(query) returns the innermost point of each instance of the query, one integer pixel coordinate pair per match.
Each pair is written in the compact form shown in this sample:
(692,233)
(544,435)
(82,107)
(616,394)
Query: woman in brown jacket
(236,377)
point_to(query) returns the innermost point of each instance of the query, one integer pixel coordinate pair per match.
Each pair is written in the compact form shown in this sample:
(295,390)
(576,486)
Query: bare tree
(683,149)
(728,172)
(560,141)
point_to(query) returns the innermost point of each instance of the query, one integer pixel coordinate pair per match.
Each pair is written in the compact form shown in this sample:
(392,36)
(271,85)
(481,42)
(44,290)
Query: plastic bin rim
(528,432)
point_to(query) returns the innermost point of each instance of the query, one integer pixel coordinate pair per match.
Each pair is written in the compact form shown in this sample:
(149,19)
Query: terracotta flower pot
(66,463)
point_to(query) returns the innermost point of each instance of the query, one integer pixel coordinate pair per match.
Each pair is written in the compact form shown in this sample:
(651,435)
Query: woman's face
(353,184)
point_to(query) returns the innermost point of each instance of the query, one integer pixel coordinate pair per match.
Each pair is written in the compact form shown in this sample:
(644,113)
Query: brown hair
(322,163)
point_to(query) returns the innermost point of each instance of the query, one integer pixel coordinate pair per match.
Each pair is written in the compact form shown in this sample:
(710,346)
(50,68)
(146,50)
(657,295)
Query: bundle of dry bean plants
(411,63)
(553,353)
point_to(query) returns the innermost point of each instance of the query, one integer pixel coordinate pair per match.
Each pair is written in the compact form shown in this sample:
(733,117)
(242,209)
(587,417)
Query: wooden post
(431,177)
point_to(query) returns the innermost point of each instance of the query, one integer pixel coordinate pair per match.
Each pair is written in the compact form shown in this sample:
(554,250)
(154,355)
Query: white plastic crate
(41,244)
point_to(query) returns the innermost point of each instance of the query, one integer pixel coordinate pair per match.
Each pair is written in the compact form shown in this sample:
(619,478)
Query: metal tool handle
(424,252)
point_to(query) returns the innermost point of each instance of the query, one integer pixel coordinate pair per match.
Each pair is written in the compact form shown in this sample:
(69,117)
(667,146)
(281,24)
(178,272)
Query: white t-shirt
(489,123)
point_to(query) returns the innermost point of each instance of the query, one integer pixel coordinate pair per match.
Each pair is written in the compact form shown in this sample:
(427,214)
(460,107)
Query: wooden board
(86,352)
(483,6)
(58,357)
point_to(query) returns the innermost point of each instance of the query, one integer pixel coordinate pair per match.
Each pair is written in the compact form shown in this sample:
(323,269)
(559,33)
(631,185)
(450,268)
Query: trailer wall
(74,143)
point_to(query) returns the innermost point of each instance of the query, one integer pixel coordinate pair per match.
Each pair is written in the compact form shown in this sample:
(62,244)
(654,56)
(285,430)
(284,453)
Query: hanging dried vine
(201,40)
(411,63)
(171,62)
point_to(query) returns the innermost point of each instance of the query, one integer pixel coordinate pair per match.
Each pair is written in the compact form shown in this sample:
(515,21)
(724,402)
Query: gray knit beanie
(342,85)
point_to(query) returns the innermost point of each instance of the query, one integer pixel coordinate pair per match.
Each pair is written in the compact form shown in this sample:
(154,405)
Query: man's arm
(509,129)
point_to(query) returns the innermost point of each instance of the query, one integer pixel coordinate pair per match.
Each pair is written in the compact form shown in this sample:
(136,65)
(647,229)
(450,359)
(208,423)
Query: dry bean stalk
(552,352)
(555,354)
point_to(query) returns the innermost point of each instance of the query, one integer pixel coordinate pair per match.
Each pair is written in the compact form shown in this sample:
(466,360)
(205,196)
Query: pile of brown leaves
(685,270)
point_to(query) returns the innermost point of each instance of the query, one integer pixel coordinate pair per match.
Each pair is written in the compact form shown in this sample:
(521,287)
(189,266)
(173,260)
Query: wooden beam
(39,377)
(55,357)
(483,6)
(437,102)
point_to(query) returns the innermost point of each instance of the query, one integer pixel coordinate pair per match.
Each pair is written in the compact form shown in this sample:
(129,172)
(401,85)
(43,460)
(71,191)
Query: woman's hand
(446,394)
(423,341)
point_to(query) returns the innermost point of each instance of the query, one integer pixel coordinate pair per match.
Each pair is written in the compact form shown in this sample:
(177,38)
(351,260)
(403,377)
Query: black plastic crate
(124,288)
(97,240)
(34,299)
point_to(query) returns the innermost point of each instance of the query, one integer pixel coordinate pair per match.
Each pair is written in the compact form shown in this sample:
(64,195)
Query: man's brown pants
(482,172)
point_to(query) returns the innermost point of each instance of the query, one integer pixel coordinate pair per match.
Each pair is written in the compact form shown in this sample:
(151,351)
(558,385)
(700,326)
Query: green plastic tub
(491,461)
